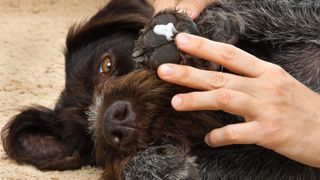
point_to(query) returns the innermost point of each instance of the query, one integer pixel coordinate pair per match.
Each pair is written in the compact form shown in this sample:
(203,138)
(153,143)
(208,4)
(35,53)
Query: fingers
(160,5)
(230,101)
(209,80)
(193,7)
(224,91)
(241,133)
(227,55)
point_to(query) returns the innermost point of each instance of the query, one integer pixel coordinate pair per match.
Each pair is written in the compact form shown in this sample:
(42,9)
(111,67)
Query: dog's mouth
(123,138)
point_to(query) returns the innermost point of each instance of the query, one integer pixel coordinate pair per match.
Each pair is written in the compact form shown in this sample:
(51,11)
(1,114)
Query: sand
(32,36)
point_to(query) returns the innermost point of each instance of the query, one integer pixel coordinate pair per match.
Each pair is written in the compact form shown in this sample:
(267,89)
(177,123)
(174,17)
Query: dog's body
(115,115)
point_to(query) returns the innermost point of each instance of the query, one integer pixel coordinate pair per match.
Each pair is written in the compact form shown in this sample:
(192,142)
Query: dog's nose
(119,121)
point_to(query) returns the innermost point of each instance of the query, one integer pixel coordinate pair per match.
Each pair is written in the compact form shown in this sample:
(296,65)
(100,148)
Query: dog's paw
(156,45)
(161,162)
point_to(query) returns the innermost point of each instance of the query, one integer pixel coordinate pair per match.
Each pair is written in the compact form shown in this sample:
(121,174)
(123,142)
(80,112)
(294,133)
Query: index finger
(229,56)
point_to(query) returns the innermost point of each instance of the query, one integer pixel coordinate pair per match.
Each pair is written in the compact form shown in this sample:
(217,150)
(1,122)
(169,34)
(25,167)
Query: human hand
(192,7)
(280,112)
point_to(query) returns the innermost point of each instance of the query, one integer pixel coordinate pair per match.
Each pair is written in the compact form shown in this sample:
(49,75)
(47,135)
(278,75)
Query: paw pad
(156,45)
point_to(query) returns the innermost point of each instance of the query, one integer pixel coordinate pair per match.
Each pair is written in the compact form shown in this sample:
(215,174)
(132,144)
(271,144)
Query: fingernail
(206,139)
(182,39)
(176,101)
(166,70)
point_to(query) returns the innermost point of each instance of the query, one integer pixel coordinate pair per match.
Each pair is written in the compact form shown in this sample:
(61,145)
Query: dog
(115,112)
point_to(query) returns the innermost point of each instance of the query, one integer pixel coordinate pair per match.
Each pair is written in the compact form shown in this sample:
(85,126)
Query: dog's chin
(142,139)
(127,148)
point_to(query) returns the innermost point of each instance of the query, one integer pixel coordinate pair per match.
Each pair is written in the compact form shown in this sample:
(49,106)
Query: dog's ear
(125,12)
(35,136)
(116,16)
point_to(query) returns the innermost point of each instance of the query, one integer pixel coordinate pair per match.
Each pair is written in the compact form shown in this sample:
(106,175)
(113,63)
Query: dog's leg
(267,21)
(283,32)
(161,163)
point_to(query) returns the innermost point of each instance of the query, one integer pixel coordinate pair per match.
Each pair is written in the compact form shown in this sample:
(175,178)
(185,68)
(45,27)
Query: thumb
(160,5)
(193,7)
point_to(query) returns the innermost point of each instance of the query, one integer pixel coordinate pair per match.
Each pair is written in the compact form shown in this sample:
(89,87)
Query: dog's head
(131,107)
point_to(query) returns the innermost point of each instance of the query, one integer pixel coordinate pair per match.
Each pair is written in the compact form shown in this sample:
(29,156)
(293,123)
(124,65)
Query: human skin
(280,112)
(191,7)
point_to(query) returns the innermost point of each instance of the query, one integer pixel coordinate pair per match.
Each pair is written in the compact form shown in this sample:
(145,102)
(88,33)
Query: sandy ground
(32,35)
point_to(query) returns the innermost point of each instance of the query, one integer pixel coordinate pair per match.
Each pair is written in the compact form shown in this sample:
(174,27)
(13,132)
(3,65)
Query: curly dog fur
(118,116)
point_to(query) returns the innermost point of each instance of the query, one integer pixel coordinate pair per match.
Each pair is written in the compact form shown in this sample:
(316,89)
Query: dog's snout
(120,112)
(119,121)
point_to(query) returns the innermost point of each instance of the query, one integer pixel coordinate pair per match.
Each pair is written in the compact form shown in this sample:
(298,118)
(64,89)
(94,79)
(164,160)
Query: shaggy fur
(116,114)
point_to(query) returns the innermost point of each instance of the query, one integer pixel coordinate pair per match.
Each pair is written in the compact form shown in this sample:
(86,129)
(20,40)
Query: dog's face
(130,107)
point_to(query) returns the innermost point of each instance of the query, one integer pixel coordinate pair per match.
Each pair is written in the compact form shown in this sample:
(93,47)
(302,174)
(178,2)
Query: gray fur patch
(162,162)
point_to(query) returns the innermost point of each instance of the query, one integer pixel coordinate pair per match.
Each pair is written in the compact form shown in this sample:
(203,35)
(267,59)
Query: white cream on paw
(165,30)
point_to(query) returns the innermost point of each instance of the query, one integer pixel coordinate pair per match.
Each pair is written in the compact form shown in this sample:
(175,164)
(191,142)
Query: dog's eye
(105,65)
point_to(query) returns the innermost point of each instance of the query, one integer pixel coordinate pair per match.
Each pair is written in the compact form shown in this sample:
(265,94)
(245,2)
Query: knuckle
(229,52)
(230,134)
(272,124)
(224,97)
(279,82)
(199,43)
(272,133)
(189,101)
(184,74)
(277,71)
(275,86)
(217,80)
(275,118)
(278,88)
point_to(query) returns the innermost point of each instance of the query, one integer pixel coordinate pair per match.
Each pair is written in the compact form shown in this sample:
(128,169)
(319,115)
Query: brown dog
(117,114)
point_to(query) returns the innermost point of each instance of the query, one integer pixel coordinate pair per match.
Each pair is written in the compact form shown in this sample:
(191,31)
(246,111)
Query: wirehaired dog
(115,112)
